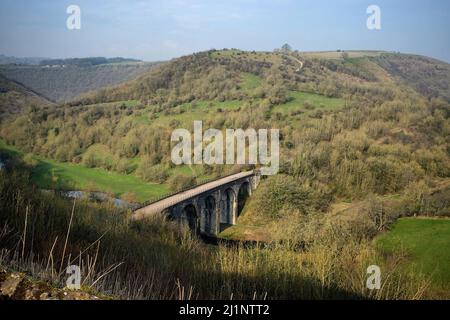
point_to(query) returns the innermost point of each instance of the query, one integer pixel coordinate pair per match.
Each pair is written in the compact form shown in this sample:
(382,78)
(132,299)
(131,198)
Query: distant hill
(22,61)
(60,80)
(15,98)
(428,76)
(85,62)
(216,75)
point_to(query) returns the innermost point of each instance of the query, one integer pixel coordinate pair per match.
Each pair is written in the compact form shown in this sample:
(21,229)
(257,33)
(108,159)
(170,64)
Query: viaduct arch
(207,209)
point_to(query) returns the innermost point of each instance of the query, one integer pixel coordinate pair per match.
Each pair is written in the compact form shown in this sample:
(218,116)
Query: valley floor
(53,175)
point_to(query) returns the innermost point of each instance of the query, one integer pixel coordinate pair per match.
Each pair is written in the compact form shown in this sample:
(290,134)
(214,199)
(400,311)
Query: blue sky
(162,29)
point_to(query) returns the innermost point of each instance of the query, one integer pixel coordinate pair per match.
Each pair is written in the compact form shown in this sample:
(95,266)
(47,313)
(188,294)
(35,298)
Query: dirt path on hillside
(296,60)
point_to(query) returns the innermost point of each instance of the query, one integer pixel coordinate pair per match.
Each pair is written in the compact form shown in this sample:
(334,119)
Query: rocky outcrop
(17,286)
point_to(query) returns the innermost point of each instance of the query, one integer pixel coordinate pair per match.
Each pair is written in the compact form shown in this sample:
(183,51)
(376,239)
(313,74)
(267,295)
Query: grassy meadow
(185,114)
(308,103)
(50,174)
(427,244)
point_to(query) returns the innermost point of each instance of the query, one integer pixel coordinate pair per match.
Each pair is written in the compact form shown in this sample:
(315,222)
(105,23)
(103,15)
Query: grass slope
(187,113)
(55,175)
(250,81)
(298,100)
(50,174)
(427,242)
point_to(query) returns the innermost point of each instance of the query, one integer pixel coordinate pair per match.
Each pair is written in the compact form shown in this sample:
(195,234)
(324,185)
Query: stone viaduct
(209,208)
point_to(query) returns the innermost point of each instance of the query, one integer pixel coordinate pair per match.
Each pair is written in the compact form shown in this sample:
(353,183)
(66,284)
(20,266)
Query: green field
(427,242)
(250,81)
(50,174)
(187,113)
(300,100)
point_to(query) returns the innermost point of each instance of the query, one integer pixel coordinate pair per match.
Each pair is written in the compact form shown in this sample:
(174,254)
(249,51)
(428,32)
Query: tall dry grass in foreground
(42,234)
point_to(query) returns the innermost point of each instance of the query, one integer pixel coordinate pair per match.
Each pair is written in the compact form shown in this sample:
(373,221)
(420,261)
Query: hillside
(15,98)
(23,61)
(343,119)
(427,76)
(85,62)
(188,77)
(60,80)
(365,140)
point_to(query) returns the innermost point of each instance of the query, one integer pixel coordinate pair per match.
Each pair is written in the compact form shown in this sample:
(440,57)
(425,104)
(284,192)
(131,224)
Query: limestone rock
(16,286)
(10,285)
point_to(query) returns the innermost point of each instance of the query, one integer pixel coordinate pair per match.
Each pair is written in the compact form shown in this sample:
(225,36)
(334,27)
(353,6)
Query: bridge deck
(163,204)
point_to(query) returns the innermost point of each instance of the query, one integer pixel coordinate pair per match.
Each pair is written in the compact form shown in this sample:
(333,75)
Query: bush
(282,194)
(130,197)
(308,105)
(153,159)
(89,161)
(152,173)
(174,123)
(123,166)
(181,182)
(30,160)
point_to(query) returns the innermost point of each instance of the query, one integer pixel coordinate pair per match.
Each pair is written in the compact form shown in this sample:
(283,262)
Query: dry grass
(156,259)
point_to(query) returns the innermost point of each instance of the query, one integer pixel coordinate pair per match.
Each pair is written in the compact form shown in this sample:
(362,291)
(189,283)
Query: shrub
(123,166)
(282,194)
(152,174)
(30,160)
(174,123)
(181,182)
(130,197)
(308,105)
(89,160)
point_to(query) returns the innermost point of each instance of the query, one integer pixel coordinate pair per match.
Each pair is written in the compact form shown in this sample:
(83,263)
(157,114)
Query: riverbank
(94,196)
